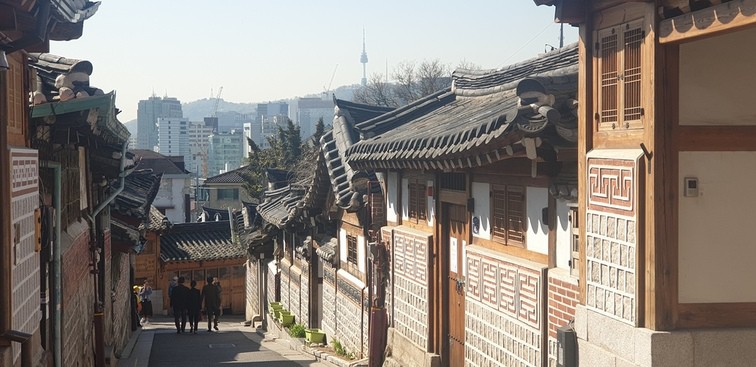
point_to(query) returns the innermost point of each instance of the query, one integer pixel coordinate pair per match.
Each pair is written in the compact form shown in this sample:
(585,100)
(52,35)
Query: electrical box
(566,347)
(691,187)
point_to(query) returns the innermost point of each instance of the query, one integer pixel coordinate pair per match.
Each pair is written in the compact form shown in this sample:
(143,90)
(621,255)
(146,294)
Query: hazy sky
(269,50)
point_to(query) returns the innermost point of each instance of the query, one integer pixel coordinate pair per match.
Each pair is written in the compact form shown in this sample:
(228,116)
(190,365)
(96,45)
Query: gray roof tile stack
(199,241)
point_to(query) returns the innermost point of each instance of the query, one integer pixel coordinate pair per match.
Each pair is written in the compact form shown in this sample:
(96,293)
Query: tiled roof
(234,176)
(212,214)
(281,206)
(335,143)
(157,162)
(199,241)
(140,189)
(318,190)
(481,120)
(158,221)
(278,178)
(327,249)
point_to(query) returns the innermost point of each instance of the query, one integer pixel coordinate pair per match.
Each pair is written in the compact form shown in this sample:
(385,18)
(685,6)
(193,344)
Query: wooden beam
(727,17)
(716,315)
(717,138)
(585,138)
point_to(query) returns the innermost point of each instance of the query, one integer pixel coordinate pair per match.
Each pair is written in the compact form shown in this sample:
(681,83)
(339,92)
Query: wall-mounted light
(3,61)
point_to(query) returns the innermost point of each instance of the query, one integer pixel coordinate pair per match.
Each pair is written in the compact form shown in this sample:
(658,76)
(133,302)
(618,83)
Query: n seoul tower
(364,60)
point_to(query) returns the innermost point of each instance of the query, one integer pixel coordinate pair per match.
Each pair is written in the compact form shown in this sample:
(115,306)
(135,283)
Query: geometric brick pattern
(410,285)
(611,233)
(562,296)
(611,185)
(253,288)
(350,330)
(330,321)
(25,260)
(512,289)
(493,338)
(503,317)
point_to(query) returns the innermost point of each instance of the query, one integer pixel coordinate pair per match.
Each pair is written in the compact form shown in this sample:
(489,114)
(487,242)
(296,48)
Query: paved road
(158,345)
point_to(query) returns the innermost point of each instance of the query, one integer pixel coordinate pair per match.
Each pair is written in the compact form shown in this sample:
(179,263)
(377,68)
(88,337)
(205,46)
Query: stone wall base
(604,341)
(400,351)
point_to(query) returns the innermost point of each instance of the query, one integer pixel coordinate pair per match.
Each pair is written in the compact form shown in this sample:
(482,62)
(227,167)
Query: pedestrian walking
(193,306)
(145,294)
(135,308)
(180,302)
(216,282)
(211,300)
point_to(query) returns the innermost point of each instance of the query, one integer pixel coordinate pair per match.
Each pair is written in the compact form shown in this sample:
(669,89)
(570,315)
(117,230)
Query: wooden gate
(455,237)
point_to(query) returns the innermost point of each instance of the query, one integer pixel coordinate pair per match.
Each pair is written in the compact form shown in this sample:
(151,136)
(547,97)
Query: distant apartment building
(173,137)
(266,113)
(232,120)
(247,135)
(305,112)
(148,112)
(199,145)
(224,152)
(270,128)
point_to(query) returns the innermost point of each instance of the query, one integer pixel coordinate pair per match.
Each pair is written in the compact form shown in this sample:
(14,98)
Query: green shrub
(297,330)
(340,350)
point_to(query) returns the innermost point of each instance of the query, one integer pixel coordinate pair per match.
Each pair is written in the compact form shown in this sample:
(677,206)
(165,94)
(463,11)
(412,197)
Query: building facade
(148,112)
(173,198)
(224,152)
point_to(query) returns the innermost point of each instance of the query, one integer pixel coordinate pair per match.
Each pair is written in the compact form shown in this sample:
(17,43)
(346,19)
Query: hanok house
(82,150)
(130,221)
(480,182)
(195,251)
(173,198)
(25,247)
(225,190)
(667,153)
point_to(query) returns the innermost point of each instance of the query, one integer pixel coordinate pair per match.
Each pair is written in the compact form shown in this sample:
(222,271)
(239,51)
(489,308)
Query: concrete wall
(604,341)
(725,193)
(719,95)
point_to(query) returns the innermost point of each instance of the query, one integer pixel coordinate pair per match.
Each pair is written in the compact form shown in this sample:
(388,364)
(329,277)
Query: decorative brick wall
(304,297)
(24,165)
(349,310)
(611,232)
(563,297)
(295,293)
(330,321)
(503,317)
(121,307)
(410,284)
(272,282)
(285,280)
(253,289)
(78,298)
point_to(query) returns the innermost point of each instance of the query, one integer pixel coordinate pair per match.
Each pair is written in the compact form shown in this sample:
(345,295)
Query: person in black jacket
(179,302)
(193,306)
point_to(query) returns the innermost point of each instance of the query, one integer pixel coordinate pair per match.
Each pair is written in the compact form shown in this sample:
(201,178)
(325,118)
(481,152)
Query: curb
(297,344)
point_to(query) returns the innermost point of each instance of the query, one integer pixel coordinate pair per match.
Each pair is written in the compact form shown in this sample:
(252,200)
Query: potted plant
(314,336)
(286,318)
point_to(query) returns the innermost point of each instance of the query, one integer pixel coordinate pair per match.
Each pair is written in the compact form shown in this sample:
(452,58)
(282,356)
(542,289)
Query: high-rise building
(269,115)
(148,112)
(305,112)
(224,152)
(247,133)
(173,136)
(199,145)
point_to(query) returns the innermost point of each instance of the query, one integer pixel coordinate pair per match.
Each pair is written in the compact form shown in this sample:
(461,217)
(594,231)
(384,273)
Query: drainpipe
(100,278)
(57,257)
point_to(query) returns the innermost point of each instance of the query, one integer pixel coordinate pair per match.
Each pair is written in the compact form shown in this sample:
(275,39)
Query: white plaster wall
(431,204)
(481,193)
(176,215)
(563,237)
(405,199)
(361,254)
(721,95)
(343,244)
(716,243)
(392,200)
(538,234)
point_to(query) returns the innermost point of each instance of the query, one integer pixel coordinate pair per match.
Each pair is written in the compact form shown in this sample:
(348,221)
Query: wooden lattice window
(352,249)
(508,214)
(619,75)
(417,210)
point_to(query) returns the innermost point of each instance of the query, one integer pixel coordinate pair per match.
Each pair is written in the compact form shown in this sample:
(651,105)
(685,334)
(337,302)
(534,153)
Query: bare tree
(377,92)
(432,76)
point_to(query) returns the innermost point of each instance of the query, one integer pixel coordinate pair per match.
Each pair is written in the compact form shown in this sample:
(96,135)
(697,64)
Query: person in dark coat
(179,301)
(211,300)
(193,306)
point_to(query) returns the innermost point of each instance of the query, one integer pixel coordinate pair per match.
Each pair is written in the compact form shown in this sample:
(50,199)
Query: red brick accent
(562,296)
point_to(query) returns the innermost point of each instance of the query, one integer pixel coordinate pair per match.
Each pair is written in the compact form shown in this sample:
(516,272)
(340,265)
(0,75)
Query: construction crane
(327,90)
(217,102)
